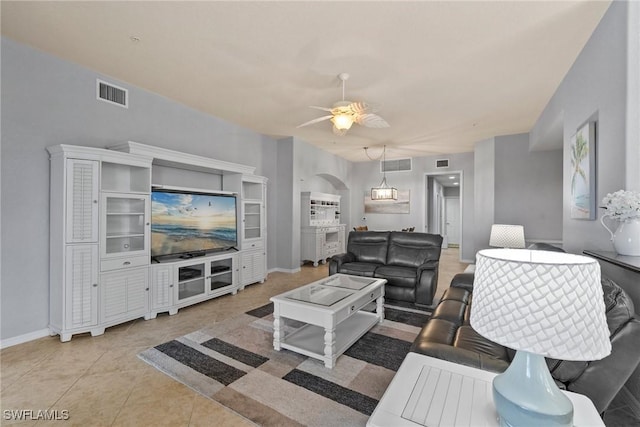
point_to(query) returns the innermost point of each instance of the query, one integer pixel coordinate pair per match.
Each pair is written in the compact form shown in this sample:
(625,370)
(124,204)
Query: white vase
(626,238)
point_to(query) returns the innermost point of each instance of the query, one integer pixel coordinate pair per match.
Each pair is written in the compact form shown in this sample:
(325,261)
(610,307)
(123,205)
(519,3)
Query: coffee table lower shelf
(310,339)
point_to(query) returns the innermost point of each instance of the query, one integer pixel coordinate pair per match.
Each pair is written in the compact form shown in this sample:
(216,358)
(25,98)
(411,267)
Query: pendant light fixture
(383,191)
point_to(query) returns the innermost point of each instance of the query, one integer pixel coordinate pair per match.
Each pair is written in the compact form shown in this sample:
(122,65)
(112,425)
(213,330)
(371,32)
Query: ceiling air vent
(112,94)
(442,163)
(398,165)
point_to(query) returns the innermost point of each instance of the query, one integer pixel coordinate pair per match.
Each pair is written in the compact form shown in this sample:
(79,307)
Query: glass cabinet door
(252,220)
(221,274)
(191,281)
(126,224)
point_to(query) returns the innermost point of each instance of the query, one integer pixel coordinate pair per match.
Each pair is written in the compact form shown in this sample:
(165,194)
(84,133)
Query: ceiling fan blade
(364,107)
(371,121)
(310,122)
(320,108)
(339,132)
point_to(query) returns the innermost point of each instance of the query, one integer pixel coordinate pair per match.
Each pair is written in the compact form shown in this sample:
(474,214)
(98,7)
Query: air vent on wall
(442,163)
(112,94)
(398,165)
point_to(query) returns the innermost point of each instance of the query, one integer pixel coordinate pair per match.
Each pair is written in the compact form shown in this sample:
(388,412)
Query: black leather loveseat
(409,262)
(448,335)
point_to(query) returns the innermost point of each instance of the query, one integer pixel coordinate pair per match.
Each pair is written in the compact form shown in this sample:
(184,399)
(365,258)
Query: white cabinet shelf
(99,274)
(179,283)
(319,209)
(252,220)
(125,224)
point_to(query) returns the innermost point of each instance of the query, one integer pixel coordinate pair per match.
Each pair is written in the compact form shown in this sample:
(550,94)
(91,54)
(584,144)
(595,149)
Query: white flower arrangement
(622,205)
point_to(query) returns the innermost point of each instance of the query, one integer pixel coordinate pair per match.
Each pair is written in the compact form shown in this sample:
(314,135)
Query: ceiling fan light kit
(383,191)
(345,113)
(342,121)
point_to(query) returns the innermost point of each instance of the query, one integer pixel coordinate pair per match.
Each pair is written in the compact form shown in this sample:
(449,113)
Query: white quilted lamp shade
(547,303)
(507,236)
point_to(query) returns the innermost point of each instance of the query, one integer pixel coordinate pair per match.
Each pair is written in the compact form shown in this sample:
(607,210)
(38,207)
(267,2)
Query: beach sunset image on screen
(184,222)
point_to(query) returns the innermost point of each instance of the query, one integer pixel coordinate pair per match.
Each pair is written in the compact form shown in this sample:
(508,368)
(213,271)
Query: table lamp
(541,304)
(507,236)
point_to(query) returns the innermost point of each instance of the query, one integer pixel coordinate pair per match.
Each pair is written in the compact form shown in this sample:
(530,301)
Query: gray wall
(595,86)
(633,100)
(514,185)
(48,101)
(367,174)
(484,201)
(528,188)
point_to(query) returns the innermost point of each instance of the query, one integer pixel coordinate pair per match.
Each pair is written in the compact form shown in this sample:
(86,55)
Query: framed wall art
(400,206)
(583,172)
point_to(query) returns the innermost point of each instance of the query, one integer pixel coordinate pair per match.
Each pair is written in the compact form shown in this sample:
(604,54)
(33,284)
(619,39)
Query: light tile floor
(101,382)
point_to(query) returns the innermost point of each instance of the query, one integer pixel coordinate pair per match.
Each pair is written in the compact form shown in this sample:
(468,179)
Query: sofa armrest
(337,260)
(426,282)
(463,280)
(431,264)
(604,378)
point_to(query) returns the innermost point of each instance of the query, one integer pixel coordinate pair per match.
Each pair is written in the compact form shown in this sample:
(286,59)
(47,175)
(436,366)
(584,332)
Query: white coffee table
(432,392)
(331,309)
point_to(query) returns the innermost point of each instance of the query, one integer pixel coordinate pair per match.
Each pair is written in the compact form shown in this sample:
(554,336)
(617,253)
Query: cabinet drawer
(257,244)
(117,263)
(365,299)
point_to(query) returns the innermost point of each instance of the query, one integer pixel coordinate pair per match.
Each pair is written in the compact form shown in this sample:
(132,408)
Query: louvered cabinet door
(162,286)
(124,294)
(82,201)
(81,286)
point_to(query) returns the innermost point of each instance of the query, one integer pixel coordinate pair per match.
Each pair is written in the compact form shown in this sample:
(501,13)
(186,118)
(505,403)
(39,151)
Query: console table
(432,392)
(624,270)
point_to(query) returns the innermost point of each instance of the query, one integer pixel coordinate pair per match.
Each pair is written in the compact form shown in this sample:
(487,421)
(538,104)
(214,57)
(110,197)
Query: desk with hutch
(321,234)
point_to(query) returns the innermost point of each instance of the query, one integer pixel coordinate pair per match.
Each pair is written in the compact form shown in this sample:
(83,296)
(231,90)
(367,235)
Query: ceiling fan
(345,113)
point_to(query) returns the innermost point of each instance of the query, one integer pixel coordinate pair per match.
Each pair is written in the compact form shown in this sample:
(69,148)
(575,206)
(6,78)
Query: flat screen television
(189,223)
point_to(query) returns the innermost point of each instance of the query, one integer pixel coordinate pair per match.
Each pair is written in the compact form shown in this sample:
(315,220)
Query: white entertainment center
(101,273)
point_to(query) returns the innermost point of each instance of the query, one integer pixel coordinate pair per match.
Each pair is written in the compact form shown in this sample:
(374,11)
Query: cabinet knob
(171,286)
(95,285)
(95,201)
(126,262)
(146,289)
(147,223)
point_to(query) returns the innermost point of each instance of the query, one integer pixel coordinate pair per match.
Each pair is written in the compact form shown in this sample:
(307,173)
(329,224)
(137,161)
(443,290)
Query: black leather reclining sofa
(409,262)
(448,335)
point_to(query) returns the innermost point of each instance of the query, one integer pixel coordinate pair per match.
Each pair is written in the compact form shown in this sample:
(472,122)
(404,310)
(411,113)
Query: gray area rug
(233,362)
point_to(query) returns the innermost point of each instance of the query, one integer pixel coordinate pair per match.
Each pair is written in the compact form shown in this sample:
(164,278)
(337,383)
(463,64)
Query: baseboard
(21,339)
(284,270)
(468,261)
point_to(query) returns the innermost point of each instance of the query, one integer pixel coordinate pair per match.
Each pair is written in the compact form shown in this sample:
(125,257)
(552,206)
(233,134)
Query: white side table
(432,392)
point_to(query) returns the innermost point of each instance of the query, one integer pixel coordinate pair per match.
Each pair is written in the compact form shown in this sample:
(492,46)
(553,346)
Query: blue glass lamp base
(526,395)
